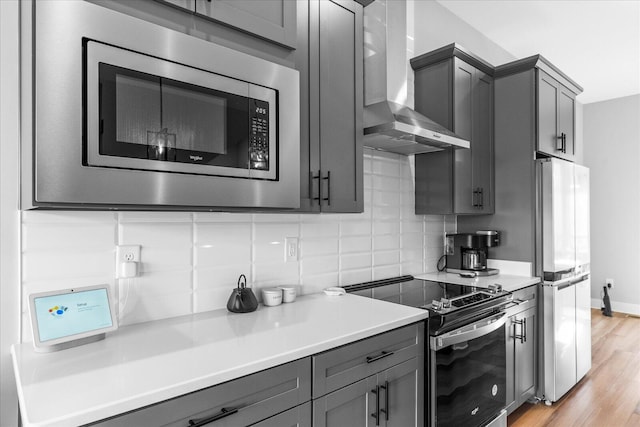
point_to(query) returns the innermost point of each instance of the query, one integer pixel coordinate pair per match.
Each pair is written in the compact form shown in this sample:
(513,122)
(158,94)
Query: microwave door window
(129,107)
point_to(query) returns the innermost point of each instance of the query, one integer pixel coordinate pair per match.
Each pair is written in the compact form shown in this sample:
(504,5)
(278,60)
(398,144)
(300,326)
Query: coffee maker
(467,253)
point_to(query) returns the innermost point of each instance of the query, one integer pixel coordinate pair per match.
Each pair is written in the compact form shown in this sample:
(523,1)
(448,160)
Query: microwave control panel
(259,135)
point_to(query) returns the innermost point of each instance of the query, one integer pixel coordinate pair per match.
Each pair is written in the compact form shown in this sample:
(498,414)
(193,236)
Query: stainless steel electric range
(466,354)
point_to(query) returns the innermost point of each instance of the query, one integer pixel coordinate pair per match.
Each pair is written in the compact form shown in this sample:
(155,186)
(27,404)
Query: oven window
(144,116)
(471,380)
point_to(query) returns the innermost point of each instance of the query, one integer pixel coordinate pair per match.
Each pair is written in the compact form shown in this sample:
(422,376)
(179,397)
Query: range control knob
(436,305)
(446,303)
(495,288)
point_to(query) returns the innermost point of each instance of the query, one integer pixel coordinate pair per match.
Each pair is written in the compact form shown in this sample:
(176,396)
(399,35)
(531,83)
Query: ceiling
(595,42)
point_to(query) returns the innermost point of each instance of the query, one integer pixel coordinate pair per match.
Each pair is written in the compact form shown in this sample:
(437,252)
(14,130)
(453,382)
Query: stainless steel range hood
(390,124)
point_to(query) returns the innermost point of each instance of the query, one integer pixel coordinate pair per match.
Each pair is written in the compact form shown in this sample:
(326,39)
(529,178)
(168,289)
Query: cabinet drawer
(244,401)
(526,297)
(345,365)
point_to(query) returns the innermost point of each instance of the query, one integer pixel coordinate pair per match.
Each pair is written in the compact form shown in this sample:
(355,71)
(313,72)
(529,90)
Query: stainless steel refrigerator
(563,257)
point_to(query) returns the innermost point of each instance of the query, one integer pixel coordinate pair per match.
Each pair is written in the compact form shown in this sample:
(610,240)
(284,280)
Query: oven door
(147,113)
(468,373)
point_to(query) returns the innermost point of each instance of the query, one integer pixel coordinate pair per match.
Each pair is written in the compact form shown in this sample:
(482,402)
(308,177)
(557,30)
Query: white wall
(612,152)
(436,26)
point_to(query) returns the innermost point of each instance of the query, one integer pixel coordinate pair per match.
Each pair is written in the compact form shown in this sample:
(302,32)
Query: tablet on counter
(71,317)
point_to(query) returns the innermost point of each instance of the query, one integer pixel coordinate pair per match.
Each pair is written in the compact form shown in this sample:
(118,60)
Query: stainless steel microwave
(128,114)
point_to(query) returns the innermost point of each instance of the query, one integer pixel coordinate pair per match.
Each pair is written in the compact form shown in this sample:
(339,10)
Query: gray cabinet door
(353,406)
(548,141)
(403,394)
(240,402)
(525,355)
(331,167)
(456,181)
(274,20)
(482,156)
(556,118)
(300,416)
(566,121)
(464,199)
(522,348)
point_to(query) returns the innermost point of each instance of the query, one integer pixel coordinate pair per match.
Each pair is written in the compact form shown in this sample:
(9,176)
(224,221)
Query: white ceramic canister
(272,296)
(288,293)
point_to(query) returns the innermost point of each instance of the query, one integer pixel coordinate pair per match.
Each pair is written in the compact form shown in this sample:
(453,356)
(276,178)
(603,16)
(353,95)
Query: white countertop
(509,282)
(143,364)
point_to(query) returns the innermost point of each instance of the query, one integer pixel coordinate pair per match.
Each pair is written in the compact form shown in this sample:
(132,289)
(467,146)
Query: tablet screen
(73,313)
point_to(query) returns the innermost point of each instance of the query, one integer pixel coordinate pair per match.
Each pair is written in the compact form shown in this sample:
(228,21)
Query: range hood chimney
(390,123)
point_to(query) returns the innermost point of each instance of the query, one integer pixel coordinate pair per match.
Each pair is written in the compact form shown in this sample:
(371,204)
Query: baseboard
(619,307)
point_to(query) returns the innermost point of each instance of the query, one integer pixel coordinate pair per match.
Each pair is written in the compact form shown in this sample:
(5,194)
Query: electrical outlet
(291,249)
(609,283)
(127,253)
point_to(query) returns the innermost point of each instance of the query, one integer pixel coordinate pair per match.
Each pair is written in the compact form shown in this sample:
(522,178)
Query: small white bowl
(288,293)
(335,291)
(272,296)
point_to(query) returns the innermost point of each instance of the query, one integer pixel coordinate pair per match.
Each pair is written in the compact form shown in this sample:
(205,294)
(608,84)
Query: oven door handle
(469,332)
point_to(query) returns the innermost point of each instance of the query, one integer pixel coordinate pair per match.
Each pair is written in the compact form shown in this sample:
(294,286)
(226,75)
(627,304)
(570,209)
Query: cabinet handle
(481,192)
(328,178)
(564,143)
(319,198)
(561,138)
(474,198)
(385,411)
(524,329)
(376,414)
(522,337)
(224,412)
(371,359)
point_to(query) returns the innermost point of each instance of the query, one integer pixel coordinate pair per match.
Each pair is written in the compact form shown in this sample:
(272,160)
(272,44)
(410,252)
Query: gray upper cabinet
(274,20)
(455,88)
(556,118)
(331,98)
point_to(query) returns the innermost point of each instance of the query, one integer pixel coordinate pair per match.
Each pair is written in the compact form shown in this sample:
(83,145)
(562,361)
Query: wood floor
(609,395)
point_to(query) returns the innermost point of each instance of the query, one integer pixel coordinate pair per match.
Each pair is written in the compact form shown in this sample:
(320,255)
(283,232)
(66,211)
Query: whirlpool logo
(196,158)
(475,411)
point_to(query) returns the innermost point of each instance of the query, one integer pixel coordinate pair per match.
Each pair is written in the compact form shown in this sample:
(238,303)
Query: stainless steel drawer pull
(371,359)
(224,412)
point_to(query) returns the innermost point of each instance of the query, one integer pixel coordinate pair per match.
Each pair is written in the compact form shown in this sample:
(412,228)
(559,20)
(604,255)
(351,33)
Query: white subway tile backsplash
(314,247)
(53,265)
(352,244)
(191,261)
(383,258)
(357,261)
(351,277)
(157,217)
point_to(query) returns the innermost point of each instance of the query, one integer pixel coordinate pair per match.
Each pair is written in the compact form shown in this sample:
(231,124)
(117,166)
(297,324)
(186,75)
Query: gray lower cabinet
(386,399)
(455,88)
(241,402)
(331,106)
(522,347)
(274,20)
(377,381)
